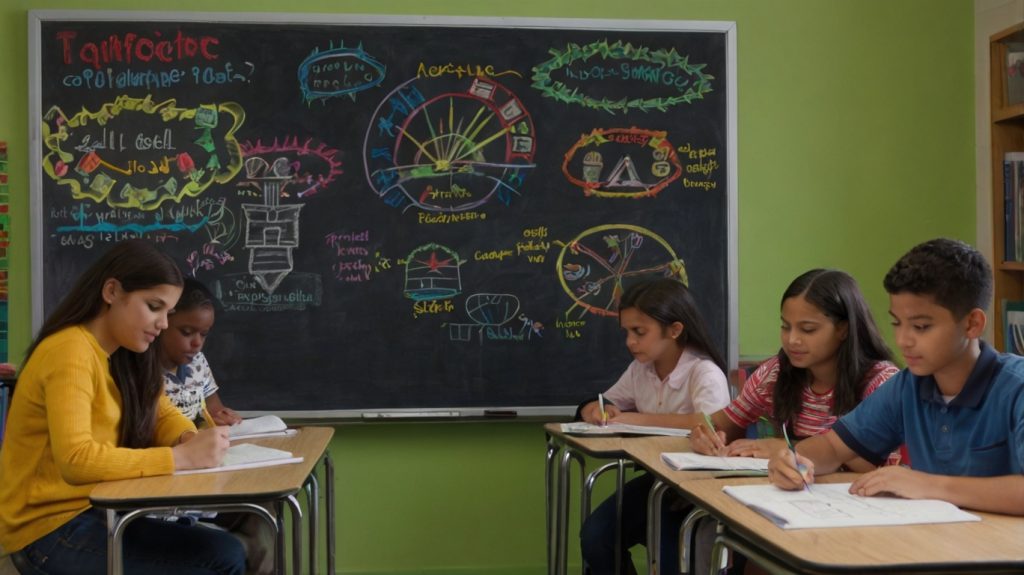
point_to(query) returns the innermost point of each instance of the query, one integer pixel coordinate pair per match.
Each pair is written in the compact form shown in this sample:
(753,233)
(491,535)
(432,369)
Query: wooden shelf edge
(1014,112)
(1011,266)
(1004,34)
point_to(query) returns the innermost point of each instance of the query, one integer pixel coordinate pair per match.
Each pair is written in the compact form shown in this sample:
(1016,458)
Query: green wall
(856,141)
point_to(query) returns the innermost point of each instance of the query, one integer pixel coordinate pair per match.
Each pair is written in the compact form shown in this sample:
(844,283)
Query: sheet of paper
(257,425)
(584,428)
(247,456)
(832,505)
(690,460)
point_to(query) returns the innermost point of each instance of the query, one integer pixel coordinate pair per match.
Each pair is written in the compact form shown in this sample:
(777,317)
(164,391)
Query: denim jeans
(597,537)
(150,547)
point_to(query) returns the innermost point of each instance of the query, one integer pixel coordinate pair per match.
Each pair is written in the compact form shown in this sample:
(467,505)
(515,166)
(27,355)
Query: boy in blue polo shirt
(958,405)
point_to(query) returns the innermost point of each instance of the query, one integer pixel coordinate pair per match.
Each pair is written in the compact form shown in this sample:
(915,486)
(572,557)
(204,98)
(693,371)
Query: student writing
(676,369)
(188,380)
(832,357)
(958,405)
(89,408)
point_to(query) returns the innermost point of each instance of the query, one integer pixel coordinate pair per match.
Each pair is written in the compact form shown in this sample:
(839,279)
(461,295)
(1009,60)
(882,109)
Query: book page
(257,426)
(584,428)
(690,460)
(832,505)
(247,456)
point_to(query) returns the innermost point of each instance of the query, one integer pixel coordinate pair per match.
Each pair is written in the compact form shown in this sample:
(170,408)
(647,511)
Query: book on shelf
(584,428)
(1013,326)
(1013,206)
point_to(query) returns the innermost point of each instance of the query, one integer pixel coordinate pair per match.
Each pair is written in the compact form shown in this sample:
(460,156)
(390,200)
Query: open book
(832,505)
(691,461)
(264,426)
(584,428)
(247,456)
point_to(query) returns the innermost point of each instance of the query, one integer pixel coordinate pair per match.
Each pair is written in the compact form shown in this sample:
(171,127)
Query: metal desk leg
(686,536)
(313,506)
(562,517)
(620,480)
(724,541)
(329,501)
(293,503)
(549,501)
(279,566)
(654,525)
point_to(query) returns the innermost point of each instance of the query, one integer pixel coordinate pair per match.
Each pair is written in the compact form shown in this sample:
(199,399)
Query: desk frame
(563,449)
(120,513)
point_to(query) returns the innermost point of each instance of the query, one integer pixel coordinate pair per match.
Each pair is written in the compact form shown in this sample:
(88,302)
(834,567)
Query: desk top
(647,453)
(990,545)
(244,485)
(612,446)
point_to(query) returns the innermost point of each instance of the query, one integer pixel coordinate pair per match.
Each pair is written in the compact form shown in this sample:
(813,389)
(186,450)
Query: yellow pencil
(206,415)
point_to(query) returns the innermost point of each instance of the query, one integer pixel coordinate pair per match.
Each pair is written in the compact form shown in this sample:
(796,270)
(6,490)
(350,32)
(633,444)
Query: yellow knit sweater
(62,436)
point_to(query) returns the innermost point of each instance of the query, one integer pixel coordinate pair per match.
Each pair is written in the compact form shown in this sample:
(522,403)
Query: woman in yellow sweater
(89,407)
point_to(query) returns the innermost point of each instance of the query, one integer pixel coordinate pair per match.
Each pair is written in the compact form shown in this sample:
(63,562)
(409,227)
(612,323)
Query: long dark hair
(668,301)
(836,295)
(136,264)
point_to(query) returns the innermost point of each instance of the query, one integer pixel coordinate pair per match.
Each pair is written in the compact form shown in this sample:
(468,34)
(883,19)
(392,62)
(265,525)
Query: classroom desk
(556,485)
(241,490)
(646,452)
(992,545)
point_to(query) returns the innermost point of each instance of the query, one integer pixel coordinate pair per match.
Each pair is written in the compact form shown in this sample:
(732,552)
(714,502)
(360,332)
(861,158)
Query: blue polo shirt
(980,433)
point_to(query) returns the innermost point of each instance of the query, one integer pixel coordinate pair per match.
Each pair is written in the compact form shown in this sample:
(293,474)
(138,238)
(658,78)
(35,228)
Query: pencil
(206,414)
(604,414)
(802,469)
(714,432)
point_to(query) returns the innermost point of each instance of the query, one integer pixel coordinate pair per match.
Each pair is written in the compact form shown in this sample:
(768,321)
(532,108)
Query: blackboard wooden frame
(726,29)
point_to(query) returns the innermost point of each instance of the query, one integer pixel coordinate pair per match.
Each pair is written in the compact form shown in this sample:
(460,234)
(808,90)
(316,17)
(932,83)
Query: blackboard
(397,214)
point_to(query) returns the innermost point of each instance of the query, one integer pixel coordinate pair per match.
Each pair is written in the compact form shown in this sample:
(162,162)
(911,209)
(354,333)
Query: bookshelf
(1007,106)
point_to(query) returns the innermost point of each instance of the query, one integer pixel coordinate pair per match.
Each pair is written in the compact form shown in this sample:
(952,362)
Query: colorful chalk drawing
(282,170)
(131,153)
(622,163)
(490,313)
(608,77)
(337,72)
(597,264)
(449,144)
(432,273)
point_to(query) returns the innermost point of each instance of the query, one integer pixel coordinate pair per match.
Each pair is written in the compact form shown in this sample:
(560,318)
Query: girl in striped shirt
(832,357)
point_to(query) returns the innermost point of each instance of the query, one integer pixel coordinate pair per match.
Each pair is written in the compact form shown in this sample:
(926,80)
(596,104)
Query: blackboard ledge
(321,417)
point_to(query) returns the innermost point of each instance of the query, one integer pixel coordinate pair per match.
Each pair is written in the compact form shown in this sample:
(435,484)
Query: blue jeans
(151,547)
(597,537)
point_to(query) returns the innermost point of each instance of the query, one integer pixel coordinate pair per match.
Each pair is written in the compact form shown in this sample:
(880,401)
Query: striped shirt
(815,416)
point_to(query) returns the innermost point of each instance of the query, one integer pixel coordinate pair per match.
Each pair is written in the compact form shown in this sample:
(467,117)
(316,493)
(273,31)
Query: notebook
(264,426)
(691,461)
(584,428)
(832,505)
(247,456)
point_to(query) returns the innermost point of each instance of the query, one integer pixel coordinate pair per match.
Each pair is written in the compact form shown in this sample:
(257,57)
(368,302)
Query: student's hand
(204,449)
(763,448)
(592,412)
(626,417)
(226,416)
(893,480)
(703,440)
(782,471)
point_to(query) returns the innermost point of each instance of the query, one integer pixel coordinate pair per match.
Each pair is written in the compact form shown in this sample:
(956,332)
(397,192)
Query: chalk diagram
(432,273)
(281,170)
(596,266)
(137,153)
(622,163)
(489,313)
(447,145)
